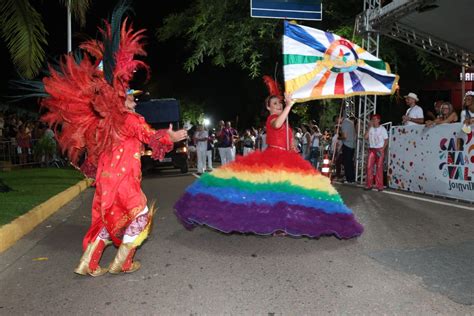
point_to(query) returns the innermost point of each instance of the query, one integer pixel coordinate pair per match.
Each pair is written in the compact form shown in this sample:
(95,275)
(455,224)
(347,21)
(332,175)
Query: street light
(69,27)
(206,122)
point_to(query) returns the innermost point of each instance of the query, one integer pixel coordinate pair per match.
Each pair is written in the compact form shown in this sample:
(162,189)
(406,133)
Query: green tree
(224,32)
(302,110)
(330,109)
(22,29)
(192,112)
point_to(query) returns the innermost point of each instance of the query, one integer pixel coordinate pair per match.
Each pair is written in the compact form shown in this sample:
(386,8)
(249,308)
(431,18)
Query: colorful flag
(322,65)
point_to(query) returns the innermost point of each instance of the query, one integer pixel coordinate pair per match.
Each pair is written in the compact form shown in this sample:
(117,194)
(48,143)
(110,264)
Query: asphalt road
(415,257)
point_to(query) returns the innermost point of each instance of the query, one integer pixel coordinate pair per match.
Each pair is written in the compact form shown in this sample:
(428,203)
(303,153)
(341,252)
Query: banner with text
(437,160)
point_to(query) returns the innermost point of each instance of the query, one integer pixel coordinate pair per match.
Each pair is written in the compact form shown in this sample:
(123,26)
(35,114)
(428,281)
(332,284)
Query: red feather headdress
(86,105)
(272,85)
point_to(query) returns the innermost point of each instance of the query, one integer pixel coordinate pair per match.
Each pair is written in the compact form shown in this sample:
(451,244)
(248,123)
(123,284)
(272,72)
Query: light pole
(206,122)
(69,27)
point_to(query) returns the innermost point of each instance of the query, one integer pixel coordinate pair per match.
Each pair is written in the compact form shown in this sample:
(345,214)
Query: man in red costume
(119,211)
(92,112)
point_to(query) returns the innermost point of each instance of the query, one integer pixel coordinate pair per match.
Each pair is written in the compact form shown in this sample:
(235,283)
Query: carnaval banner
(437,160)
(321,65)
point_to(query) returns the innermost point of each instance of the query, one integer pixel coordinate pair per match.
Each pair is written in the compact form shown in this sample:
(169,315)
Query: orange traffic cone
(326,168)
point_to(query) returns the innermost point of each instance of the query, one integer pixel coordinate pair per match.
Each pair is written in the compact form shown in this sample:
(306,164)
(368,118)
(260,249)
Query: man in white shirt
(378,141)
(200,139)
(414,115)
(467,112)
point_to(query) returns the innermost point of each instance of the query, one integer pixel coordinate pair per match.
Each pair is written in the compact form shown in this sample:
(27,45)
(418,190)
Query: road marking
(431,201)
(197,176)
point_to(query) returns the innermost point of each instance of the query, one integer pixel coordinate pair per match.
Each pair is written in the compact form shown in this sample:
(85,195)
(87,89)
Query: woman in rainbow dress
(269,192)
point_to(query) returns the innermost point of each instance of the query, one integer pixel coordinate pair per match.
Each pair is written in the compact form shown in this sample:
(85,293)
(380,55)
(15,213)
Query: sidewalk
(19,227)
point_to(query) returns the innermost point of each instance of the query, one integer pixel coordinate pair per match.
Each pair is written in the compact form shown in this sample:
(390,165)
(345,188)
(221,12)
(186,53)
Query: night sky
(224,92)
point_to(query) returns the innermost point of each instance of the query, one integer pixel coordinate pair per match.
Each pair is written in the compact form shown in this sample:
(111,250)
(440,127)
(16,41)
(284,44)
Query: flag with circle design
(322,65)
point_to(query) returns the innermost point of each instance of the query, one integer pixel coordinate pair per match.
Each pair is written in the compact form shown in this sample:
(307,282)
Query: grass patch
(32,187)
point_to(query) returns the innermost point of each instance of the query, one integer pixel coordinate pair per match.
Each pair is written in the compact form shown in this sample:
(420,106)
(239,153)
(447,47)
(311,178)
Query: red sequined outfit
(118,198)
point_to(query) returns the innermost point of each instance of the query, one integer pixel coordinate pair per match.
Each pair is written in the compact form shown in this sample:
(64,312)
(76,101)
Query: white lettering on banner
(468,76)
(461,186)
(437,160)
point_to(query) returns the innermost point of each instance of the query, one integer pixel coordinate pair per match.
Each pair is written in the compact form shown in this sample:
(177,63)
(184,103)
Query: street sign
(287,9)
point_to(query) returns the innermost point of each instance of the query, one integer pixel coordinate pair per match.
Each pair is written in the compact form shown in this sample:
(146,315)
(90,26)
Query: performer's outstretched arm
(160,141)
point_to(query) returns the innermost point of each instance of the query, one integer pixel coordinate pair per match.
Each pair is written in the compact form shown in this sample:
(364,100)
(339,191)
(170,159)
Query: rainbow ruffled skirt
(267,192)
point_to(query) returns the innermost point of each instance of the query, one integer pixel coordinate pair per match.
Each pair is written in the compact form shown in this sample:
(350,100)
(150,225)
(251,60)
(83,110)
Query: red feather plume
(272,85)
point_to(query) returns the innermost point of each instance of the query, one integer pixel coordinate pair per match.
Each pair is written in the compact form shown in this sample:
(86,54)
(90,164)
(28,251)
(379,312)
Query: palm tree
(22,28)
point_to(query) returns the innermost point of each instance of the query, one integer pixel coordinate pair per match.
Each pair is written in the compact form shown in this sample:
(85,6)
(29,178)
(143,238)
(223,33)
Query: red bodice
(277,137)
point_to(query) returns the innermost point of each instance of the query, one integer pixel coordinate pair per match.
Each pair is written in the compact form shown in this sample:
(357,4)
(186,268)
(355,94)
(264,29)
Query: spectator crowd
(339,143)
(225,142)
(24,141)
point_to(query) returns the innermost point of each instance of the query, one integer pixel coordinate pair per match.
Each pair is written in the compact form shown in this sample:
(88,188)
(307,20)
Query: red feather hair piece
(272,85)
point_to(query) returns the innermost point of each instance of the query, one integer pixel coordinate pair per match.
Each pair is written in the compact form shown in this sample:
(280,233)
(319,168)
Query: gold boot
(89,264)
(123,261)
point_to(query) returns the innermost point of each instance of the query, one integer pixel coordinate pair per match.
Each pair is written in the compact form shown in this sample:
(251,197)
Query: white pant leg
(137,225)
(209,159)
(230,154)
(201,160)
(233,151)
(223,155)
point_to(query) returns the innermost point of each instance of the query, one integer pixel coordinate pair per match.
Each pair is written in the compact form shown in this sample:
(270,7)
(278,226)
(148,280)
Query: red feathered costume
(86,106)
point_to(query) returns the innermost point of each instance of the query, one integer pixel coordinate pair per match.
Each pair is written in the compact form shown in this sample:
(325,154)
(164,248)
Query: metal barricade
(11,155)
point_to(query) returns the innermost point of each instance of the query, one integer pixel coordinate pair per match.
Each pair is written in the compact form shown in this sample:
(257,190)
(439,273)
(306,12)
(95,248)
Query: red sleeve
(140,128)
(269,121)
(158,140)
(160,143)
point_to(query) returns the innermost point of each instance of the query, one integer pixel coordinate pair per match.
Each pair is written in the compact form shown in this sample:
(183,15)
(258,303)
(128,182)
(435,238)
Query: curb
(10,233)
